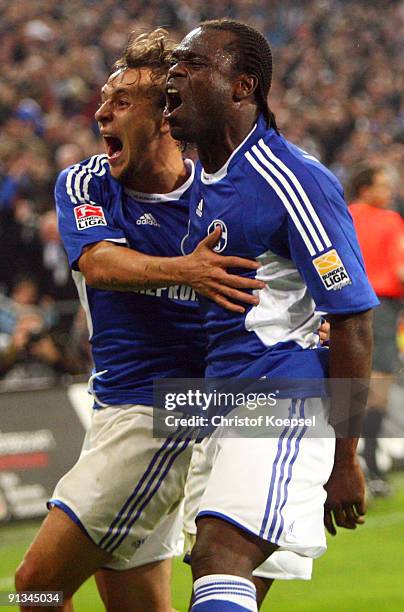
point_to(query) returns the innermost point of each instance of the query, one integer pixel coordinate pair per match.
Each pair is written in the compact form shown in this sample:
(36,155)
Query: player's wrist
(183,270)
(345,451)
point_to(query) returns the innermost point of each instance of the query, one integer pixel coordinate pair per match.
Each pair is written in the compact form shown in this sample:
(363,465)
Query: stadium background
(338,83)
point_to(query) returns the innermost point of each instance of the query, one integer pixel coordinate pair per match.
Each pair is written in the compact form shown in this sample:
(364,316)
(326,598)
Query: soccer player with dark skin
(216,89)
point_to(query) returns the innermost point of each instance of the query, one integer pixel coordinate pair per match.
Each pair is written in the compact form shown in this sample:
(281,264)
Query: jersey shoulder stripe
(79,176)
(293,196)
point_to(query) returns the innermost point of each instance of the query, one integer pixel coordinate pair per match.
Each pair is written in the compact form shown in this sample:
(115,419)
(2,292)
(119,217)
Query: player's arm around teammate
(107,267)
(147,160)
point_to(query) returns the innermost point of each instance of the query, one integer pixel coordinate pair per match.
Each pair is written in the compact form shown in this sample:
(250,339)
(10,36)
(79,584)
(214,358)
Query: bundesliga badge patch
(332,271)
(88,215)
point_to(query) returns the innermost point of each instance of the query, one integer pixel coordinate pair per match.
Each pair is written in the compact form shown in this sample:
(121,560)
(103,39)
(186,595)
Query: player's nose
(177,68)
(103,113)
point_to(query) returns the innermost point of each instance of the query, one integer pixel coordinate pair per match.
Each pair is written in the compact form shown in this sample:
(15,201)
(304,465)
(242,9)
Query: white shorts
(126,488)
(166,541)
(271,487)
(281,565)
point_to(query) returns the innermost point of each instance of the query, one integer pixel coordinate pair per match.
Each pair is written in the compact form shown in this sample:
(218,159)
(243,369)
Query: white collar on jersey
(165,197)
(208,179)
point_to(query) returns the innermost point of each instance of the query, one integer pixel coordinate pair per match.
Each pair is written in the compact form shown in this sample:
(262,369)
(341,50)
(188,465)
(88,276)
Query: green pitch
(362,571)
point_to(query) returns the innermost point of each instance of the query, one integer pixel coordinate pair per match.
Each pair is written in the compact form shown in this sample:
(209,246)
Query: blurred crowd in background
(337,92)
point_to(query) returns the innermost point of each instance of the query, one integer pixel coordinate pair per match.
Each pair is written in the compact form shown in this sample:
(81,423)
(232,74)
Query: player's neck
(163,173)
(215,147)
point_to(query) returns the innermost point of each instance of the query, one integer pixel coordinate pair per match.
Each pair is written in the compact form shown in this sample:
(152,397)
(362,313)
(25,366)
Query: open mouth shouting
(114,148)
(173,101)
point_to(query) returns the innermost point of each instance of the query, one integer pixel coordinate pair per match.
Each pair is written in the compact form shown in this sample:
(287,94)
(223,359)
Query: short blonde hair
(148,50)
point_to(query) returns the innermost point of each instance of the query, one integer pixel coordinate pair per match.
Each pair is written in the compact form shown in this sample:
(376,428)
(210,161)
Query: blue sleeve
(324,246)
(83,210)
(301,204)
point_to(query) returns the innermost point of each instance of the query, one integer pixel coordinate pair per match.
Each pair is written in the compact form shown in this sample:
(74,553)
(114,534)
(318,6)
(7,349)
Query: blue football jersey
(280,206)
(136,336)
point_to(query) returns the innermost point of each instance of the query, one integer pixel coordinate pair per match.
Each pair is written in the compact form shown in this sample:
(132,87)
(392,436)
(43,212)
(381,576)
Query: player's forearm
(350,359)
(107,266)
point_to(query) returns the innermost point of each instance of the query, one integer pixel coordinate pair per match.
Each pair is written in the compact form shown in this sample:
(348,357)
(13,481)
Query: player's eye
(195,62)
(179,59)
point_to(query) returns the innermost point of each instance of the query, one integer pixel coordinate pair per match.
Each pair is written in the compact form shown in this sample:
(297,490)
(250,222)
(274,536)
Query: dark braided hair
(252,55)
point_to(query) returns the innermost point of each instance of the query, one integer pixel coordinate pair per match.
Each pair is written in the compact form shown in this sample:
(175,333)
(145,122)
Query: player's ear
(244,86)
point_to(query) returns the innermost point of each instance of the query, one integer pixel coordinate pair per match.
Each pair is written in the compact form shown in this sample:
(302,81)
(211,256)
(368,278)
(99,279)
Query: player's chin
(117,171)
(180,132)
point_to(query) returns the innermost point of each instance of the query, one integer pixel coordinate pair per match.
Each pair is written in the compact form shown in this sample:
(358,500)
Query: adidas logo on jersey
(199,208)
(147,219)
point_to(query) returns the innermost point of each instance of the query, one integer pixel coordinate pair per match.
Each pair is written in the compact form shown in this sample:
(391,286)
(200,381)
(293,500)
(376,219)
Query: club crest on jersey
(88,215)
(221,245)
(332,271)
